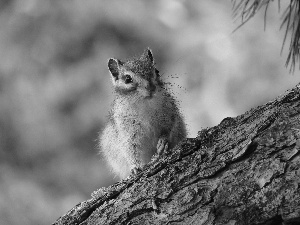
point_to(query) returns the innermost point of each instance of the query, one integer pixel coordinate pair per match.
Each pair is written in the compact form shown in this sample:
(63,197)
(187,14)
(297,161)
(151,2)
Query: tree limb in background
(246,9)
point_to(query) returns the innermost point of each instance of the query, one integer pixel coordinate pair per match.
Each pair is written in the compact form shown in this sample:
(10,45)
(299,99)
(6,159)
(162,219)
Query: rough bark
(246,170)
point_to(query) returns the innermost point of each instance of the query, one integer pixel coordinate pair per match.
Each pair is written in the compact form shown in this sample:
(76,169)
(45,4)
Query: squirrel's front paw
(162,145)
(134,170)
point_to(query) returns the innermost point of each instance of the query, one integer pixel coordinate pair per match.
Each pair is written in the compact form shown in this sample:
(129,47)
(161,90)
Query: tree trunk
(246,170)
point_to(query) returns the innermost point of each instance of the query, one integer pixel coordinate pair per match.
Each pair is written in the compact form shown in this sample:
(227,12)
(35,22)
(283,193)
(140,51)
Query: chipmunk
(144,119)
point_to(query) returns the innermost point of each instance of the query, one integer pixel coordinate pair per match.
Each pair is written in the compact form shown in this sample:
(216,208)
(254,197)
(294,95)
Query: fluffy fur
(143,113)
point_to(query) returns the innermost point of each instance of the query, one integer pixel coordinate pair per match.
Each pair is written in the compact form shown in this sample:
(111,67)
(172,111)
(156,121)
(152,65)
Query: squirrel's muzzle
(151,87)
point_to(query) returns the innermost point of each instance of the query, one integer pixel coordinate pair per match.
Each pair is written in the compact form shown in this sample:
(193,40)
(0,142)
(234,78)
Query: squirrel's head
(135,76)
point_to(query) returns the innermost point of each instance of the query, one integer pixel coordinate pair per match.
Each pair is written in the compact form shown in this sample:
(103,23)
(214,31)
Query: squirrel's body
(144,116)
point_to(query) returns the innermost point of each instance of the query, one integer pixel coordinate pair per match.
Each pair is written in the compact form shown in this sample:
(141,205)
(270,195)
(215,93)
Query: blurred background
(55,88)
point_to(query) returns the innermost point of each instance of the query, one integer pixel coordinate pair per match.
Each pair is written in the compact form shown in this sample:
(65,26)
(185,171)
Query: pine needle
(246,9)
(292,22)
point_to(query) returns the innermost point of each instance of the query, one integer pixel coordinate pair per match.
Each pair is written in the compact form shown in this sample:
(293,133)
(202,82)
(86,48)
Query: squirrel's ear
(113,66)
(149,54)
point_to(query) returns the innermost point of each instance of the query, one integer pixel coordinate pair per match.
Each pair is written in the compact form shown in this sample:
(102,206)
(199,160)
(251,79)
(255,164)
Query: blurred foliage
(55,87)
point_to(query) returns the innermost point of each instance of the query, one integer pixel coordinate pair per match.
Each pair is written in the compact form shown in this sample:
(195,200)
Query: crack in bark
(132,215)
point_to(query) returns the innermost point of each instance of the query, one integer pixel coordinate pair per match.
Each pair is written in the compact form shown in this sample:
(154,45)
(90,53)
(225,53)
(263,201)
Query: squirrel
(144,120)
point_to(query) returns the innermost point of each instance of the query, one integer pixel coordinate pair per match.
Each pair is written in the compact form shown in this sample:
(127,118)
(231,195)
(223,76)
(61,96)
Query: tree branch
(246,170)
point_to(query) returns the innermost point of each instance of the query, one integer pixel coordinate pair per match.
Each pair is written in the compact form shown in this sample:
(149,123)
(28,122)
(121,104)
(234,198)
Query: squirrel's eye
(128,79)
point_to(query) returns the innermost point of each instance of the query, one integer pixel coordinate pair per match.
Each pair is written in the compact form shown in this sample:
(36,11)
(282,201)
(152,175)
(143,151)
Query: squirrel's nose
(151,87)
